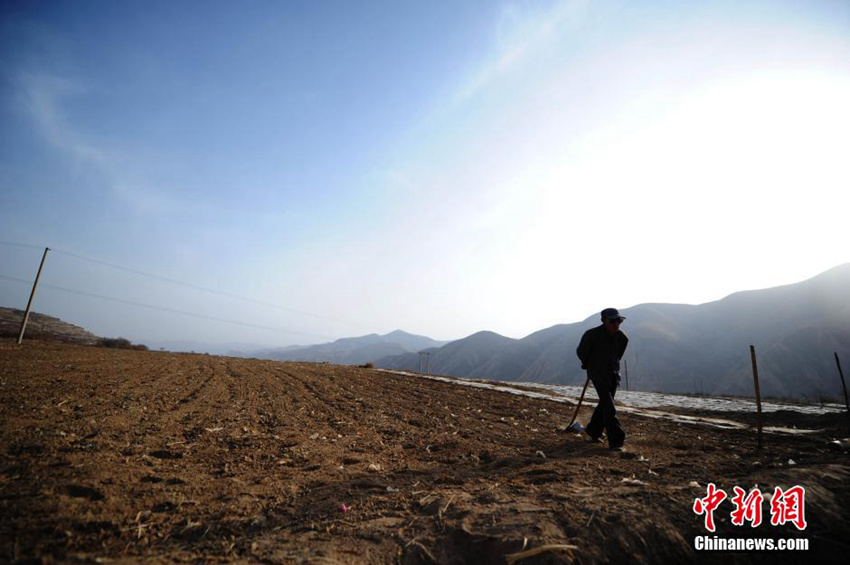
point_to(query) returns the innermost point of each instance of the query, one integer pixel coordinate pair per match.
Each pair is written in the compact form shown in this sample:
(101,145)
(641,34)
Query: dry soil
(131,456)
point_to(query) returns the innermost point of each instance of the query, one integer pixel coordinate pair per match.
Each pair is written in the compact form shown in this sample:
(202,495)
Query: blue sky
(440,167)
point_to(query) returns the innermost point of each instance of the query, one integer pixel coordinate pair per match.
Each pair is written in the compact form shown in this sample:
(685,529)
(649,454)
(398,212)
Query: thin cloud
(44,96)
(520,35)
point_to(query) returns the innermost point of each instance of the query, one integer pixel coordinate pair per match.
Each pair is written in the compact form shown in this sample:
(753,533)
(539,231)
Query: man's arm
(583,350)
(623,344)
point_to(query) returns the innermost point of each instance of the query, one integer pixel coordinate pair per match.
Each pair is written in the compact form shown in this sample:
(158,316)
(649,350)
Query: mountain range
(684,348)
(795,329)
(354,350)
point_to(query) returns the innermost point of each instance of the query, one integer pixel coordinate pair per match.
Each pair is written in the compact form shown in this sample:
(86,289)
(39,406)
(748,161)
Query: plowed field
(129,456)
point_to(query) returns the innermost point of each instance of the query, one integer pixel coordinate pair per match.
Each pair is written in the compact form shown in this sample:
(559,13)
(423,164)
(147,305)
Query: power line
(23,245)
(182,283)
(193,286)
(163,309)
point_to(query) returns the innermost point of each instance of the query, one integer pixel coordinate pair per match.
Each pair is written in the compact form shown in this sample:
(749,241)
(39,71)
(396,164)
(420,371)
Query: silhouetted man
(600,351)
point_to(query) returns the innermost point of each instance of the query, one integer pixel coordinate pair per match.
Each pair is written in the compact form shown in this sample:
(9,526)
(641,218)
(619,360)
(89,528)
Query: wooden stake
(843,385)
(758,391)
(32,295)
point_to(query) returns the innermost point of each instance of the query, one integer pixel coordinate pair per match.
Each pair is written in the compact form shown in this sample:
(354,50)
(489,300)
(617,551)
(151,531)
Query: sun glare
(746,168)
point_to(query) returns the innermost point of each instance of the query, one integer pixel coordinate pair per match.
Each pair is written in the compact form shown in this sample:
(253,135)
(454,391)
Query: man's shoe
(617,447)
(593,439)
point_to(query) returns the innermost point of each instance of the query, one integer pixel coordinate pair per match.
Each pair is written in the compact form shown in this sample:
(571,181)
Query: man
(600,351)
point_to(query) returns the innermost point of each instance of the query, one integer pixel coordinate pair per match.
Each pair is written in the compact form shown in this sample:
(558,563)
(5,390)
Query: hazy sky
(439,167)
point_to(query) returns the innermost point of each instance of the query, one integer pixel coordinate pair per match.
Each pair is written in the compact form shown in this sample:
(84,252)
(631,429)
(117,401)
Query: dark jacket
(600,351)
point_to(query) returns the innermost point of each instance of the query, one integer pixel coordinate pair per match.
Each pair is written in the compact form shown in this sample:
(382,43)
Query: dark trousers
(605,414)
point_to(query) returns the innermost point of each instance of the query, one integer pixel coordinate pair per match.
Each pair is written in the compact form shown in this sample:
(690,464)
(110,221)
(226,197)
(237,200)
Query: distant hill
(354,350)
(464,358)
(41,326)
(227,349)
(684,348)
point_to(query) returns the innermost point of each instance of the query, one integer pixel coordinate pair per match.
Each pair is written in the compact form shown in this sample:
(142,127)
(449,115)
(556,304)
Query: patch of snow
(647,403)
(640,399)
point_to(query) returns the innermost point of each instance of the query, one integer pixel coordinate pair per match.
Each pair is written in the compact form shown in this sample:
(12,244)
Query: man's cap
(611,314)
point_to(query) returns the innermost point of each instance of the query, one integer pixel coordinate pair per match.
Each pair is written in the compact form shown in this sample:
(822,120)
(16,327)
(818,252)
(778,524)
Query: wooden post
(758,391)
(843,385)
(32,295)
(626,363)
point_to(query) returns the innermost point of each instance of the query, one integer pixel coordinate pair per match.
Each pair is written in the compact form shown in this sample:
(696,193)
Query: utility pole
(32,295)
(427,356)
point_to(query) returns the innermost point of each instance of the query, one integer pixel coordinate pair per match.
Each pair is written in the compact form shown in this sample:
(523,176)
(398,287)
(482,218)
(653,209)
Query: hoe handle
(581,398)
